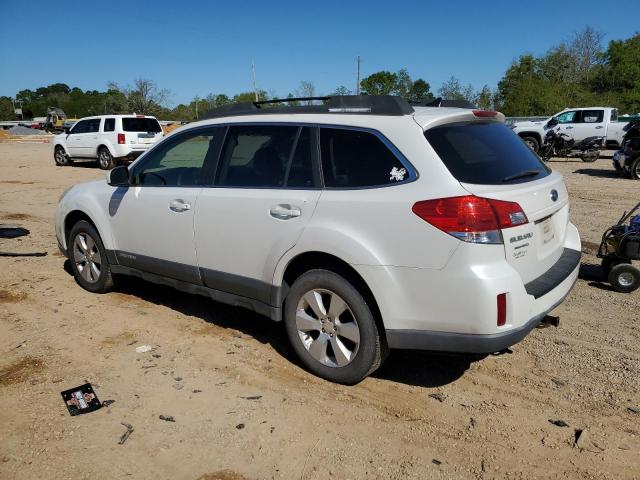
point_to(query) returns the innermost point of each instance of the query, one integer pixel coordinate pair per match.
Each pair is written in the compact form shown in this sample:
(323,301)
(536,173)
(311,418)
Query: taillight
(470,218)
(121,140)
(485,113)
(502,309)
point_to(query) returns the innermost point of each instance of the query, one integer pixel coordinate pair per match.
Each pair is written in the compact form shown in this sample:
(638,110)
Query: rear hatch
(141,132)
(490,161)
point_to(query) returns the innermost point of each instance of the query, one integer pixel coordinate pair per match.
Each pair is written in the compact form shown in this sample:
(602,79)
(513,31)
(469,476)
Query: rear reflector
(485,113)
(121,139)
(502,309)
(470,218)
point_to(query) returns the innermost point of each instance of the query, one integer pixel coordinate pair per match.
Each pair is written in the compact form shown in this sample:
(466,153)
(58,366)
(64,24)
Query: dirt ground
(245,409)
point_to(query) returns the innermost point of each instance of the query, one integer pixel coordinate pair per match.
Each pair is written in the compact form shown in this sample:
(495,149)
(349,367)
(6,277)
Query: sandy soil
(244,408)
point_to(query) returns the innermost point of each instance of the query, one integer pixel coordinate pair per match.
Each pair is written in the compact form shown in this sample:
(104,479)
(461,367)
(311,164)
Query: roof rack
(355,104)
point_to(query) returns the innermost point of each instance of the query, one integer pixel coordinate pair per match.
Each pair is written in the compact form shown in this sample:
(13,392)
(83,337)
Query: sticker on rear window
(397,174)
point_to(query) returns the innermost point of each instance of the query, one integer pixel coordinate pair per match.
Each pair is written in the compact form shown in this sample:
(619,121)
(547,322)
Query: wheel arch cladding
(74,217)
(324,261)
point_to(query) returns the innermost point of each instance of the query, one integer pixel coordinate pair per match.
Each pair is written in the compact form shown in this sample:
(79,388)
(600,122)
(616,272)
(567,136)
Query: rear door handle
(284,212)
(179,205)
(598,127)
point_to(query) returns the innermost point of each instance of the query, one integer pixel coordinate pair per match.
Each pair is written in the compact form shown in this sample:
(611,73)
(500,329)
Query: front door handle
(179,205)
(598,127)
(569,128)
(284,212)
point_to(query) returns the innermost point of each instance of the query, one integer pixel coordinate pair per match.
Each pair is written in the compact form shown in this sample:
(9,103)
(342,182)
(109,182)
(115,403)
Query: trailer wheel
(624,278)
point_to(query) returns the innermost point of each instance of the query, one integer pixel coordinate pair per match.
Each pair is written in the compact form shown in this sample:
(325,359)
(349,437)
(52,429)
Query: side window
(93,125)
(178,163)
(614,115)
(256,155)
(567,117)
(592,116)
(80,127)
(109,124)
(353,159)
(301,170)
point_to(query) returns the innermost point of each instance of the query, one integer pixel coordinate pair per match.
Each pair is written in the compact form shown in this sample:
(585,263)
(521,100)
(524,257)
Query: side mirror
(67,130)
(118,177)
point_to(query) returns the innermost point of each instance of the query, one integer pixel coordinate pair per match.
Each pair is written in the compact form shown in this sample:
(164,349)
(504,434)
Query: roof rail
(356,104)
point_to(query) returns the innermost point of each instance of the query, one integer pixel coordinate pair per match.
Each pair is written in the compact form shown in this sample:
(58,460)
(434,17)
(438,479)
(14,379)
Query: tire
(609,262)
(532,143)
(319,338)
(88,259)
(635,169)
(624,278)
(105,159)
(60,157)
(590,157)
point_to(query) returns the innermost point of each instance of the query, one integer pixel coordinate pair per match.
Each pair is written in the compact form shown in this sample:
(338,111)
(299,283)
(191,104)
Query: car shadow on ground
(595,277)
(597,172)
(84,164)
(410,367)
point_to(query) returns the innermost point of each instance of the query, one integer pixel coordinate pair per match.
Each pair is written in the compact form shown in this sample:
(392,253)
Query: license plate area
(146,137)
(546,231)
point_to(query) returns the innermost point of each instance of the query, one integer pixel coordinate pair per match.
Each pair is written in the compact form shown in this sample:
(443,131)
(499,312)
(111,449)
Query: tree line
(578,71)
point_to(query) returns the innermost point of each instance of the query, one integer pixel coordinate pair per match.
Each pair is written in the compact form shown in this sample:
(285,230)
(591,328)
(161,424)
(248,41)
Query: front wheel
(532,143)
(88,258)
(331,328)
(60,157)
(105,159)
(635,169)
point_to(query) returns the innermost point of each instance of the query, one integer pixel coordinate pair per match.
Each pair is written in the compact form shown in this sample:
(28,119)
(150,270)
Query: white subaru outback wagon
(109,139)
(364,223)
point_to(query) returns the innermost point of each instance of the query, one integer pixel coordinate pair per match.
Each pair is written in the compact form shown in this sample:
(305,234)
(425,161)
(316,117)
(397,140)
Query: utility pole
(197,107)
(358,76)
(253,70)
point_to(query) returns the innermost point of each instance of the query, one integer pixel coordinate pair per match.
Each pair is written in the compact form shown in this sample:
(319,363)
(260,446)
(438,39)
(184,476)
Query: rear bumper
(465,343)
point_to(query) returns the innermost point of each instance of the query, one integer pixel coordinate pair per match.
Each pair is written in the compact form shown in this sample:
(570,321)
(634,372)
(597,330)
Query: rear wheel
(532,143)
(105,159)
(591,156)
(331,328)
(88,258)
(624,278)
(60,157)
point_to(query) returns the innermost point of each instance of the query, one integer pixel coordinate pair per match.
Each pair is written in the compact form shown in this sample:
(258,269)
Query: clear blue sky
(195,48)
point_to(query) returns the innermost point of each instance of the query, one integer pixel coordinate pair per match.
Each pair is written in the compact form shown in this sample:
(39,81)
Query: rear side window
(357,159)
(485,154)
(273,156)
(592,116)
(140,125)
(109,124)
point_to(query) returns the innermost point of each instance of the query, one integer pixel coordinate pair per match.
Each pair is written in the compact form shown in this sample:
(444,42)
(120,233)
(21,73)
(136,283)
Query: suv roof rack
(357,104)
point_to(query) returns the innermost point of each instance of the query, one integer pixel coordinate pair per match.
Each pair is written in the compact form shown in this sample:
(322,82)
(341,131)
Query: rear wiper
(523,174)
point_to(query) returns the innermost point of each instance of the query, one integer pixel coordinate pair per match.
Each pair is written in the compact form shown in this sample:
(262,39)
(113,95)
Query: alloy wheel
(87,257)
(327,328)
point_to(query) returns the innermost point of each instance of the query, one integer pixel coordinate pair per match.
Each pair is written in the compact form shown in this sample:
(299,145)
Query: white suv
(108,138)
(364,224)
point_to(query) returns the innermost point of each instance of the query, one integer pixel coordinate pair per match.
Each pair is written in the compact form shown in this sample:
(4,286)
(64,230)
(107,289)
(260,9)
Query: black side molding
(553,277)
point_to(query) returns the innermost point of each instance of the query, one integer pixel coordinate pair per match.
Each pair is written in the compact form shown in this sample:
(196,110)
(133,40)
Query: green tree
(380,83)
(421,91)
(6,109)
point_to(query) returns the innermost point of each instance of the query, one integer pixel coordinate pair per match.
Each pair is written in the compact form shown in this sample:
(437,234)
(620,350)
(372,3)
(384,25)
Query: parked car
(110,139)
(626,161)
(576,124)
(364,224)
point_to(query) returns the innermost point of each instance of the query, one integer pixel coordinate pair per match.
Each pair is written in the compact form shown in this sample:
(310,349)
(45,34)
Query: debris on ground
(107,403)
(81,399)
(252,397)
(438,396)
(178,386)
(144,348)
(240,426)
(558,423)
(633,409)
(12,231)
(125,435)
(167,418)
(435,461)
(20,130)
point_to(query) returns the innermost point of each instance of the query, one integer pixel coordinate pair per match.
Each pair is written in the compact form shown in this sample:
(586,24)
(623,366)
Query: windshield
(485,154)
(141,125)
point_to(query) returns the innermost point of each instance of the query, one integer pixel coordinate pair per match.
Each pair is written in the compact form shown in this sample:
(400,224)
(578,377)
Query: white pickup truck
(578,124)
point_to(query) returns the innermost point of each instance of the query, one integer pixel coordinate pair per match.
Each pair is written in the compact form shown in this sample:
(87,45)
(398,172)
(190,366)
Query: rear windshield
(141,125)
(485,154)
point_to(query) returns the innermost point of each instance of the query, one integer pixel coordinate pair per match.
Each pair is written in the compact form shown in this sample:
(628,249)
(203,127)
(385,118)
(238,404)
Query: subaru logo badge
(554,195)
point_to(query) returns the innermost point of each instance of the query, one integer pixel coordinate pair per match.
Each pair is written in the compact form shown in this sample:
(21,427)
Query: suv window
(93,125)
(136,124)
(568,117)
(592,116)
(80,127)
(109,124)
(179,162)
(355,159)
(258,156)
(484,153)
